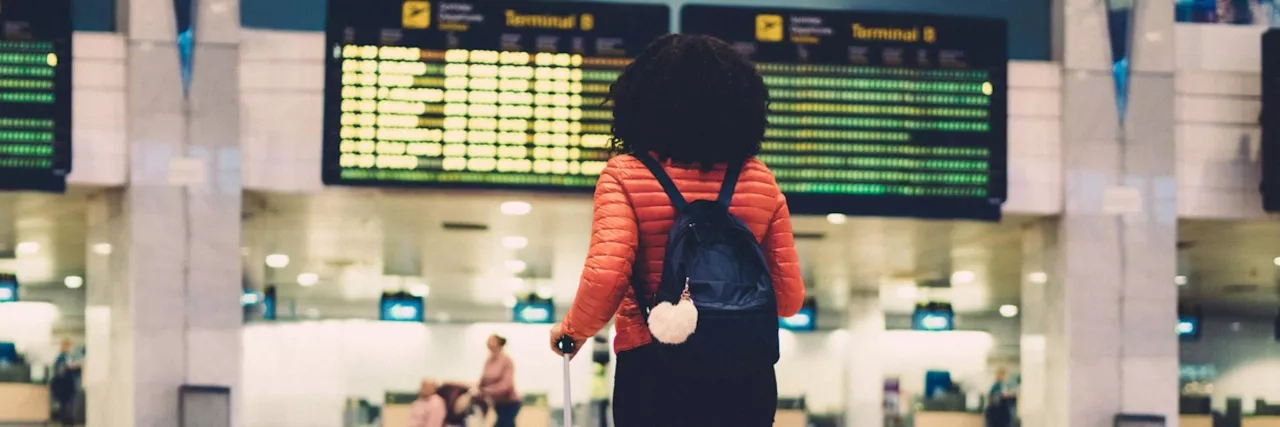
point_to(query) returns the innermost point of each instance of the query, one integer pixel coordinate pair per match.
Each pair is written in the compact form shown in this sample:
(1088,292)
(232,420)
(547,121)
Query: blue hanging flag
(185,16)
(1120,33)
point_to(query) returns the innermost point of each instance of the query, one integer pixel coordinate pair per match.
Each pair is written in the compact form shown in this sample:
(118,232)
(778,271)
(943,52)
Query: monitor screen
(8,287)
(933,317)
(402,308)
(534,311)
(883,114)
(475,94)
(35,95)
(1188,328)
(805,320)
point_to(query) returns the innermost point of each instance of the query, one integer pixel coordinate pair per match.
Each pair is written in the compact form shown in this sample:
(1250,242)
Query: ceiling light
(509,301)
(907,292)
(27,248)
(516,266)
(1179,280)
(73,282)
(277,260)
(1008,310)
(515,242)
(420,290)
(102,248)
(837,218)
(515,208)
(1038,277)
(1276,260)
(962,277)
(308,279)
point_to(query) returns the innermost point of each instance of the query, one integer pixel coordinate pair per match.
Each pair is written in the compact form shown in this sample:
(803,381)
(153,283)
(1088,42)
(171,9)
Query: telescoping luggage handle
(566,347)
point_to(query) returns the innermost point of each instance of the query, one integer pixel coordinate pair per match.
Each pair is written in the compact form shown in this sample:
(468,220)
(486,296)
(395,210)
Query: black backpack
(715,258)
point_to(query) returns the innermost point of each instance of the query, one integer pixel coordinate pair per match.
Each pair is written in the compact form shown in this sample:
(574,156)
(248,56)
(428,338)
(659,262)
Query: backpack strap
(677,200)
(730,182)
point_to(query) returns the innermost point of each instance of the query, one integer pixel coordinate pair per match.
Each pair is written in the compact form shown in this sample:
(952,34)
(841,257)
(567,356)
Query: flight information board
(475,94)
(1271,120)
(877,113)
(35,94)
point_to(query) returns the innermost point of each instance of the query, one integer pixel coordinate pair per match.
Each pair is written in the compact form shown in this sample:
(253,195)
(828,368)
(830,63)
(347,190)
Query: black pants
(647,394)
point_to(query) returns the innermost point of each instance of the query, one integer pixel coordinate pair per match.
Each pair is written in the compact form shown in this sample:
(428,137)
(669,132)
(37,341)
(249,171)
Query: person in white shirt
(429,410)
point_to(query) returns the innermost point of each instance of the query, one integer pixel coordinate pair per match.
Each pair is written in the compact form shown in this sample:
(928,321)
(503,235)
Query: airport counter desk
(1260,421)
(948,419)
(23,403)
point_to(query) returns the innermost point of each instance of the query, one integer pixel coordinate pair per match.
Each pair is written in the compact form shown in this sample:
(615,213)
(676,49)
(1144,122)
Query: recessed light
(308,279)
(516,266)
(102,248)
(73,282)
(515,208)
(1276,260)
(515,242)
(277,260)
(1008,310)
(962,277)
(1038,277)
(837,218)
(1179,280)
(420,290)
(27,248)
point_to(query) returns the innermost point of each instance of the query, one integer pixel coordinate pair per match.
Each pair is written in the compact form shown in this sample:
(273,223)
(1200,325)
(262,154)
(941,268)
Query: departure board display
(35,94)
(877,113)
(475,94)
(1271,120)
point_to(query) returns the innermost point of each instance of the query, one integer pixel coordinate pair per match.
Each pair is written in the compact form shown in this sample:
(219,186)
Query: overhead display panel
(482,94)
(35,94)
(1271,120)
(876,113)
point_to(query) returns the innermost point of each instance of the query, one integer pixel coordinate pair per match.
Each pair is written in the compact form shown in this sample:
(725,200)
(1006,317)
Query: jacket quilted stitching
(632,217)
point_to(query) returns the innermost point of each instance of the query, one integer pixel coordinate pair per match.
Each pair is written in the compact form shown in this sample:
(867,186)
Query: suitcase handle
(566,345)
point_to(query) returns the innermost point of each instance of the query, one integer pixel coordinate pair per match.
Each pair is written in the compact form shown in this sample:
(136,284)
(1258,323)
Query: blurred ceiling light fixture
(420,290)
(73,282)
(1038,277)
(837,218)
(515,208)
(516,266)
(277,260)
(27,248)
(1276,260)
(515,242)
(1008,310)
(102,248)
(1179,280)
(962,277)
(308,279)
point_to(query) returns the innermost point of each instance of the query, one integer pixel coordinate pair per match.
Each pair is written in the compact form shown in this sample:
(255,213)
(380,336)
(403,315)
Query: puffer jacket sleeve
(784,263)
(607,273)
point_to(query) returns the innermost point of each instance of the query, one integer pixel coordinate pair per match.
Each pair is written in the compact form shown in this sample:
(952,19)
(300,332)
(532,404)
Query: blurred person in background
(498,383)
(65,384)
(429,410)
(699,109)
(1000,400)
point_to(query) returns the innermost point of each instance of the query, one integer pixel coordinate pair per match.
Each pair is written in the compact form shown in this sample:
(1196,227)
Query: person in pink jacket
(429,410)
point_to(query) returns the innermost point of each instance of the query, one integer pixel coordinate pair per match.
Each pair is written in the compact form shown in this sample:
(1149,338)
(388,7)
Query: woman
(696,105)
(429,410)
(498,383)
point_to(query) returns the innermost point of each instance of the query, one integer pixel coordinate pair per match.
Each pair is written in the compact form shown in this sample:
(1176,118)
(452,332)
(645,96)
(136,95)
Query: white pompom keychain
(673,324)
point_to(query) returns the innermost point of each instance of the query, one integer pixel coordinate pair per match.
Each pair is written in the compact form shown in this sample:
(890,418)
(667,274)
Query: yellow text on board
(889,34)
(416,15)
(769,28)
(551,22)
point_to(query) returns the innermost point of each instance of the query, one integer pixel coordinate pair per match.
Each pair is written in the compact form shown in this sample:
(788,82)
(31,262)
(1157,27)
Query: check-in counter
(948,419)
(23,402)
(1261,421)
(790,418)
(1195,420)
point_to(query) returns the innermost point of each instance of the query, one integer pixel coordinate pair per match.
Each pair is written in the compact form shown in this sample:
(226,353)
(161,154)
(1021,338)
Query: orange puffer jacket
(633,216)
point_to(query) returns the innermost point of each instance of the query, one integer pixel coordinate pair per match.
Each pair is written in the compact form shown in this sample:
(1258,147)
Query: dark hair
(502,341)
(691,99)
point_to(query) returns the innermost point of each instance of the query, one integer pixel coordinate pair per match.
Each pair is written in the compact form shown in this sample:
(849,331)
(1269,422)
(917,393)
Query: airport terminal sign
(35,94)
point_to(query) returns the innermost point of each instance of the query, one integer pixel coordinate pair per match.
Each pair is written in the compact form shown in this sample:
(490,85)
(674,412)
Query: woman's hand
(556,334)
